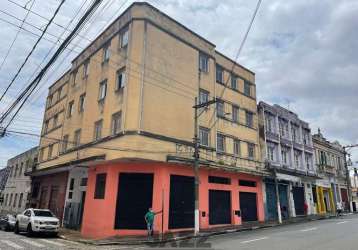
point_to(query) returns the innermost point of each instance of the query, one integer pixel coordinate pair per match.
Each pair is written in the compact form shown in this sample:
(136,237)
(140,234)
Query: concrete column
(291,201)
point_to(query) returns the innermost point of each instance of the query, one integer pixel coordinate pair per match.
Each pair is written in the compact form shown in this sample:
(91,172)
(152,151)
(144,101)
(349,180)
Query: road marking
(308,229)
(12,244)
(342,222)
(70,242)
(248,241)
(33,243)
(53,242)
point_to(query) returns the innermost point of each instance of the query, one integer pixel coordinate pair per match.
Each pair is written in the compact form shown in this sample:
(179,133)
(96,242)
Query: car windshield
(43,213)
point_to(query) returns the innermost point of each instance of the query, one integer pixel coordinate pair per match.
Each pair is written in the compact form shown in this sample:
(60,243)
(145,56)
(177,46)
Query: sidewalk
(73,235)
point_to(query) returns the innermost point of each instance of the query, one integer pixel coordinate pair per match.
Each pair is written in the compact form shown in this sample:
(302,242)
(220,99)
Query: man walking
(149,219)
(339,208)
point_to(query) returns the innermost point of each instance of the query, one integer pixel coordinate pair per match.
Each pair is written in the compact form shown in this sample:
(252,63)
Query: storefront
(120,194)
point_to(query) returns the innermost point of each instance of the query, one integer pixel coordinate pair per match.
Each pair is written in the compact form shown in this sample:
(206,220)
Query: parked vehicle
(7,222)
(37,221)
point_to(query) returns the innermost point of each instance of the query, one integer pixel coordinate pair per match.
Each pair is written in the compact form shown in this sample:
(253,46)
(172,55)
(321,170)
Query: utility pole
(196,143)
(349,189)
(277,198)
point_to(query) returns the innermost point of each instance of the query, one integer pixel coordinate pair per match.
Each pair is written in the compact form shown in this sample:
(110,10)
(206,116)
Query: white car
(37,221)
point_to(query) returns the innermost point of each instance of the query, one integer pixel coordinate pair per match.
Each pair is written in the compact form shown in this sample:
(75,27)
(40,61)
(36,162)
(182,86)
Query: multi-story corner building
(4,174)
(18,185)
(288,150)
(332,187)
(118,131)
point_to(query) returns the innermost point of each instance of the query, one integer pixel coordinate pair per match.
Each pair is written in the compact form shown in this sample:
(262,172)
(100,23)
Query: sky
(304,54)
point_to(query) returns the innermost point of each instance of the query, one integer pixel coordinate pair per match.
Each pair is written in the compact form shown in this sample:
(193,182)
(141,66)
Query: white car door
(25,218)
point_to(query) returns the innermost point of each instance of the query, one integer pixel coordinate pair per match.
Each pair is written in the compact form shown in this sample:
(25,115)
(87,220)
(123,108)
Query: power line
(17,34)
(28,91)
(32,50)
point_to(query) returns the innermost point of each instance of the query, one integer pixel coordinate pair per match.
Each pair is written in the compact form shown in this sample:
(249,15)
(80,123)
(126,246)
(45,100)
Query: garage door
(299,199)
(135,194)
(219,207)
(181,202)
(248,206)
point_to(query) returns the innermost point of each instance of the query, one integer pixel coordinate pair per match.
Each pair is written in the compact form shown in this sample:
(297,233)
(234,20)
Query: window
(234,82)
(15,199)
(16,168)
(297,158)
(203,63)
(284,154)
(70,109)
(270,151)
(74,77)
(65,143)
(116,123)
(20,170)
(10,201)
(20,199)
(46,126)
(50,150)
(59,93)
(81,103)
(55,120)
(100,186)
(124,38)
(6,198)
(295,134)
(220,108)
(203,96)
(251,150)
(71,187)
(98,130)
(102,90)
(85,69)
(220,142)
(219,74)
(269,120)
(49,100)
(283,126)
(249,119)
(83,182)
(247,88)
(306,137)
(41,154)
(77,138)
(204,136)
(219,180)
(35,190)
(121,79)
(237,150)
(247,183)
(235,113)
(308,161)
(106,53)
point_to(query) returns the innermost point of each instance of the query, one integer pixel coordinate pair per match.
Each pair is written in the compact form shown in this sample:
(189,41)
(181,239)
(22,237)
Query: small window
(237,150)
(49,101)
(83,182)
(46,126)
(251,150)
(249,119)
(247,88)
(106,53)
(77,138)
(204,136)
(116,123)
(220,141)
(219,180)
(70,109)
(98,130)
(74,77)
(59,93)
(100,186)
(50,151)
(247,183)
(219,74)
(72,184)
(203,96)
(234,82)
(85,69)
(203,63)
(124,38)
(70,194)
(220,108)
(15,199)
(65,143)
(102,90)
(81,103)
(20,169)
(121,79)
(55,120)
(235,113)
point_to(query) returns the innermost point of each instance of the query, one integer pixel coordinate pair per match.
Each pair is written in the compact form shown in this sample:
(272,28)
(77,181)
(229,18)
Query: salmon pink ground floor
(119,194)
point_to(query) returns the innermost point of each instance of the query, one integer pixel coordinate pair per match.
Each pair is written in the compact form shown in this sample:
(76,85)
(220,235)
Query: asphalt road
(332,234)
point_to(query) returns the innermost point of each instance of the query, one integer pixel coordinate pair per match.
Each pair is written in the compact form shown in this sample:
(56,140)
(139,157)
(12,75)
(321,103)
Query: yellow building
(332,187)
(128,98)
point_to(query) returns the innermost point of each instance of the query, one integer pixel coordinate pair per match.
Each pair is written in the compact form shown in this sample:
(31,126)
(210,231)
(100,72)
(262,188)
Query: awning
(323,183)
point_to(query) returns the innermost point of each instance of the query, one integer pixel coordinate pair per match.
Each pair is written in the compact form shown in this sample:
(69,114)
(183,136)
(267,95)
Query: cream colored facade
(161,78)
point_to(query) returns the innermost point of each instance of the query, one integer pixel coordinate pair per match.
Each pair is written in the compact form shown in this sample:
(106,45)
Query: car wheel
(29,230)
(16,229)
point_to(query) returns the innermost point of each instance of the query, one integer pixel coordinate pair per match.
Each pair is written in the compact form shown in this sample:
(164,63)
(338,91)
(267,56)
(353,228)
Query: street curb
(227,231)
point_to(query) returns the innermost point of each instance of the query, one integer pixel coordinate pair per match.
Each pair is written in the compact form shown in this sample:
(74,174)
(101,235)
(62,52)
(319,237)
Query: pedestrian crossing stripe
(33,243)
(12,244)
(53,242)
